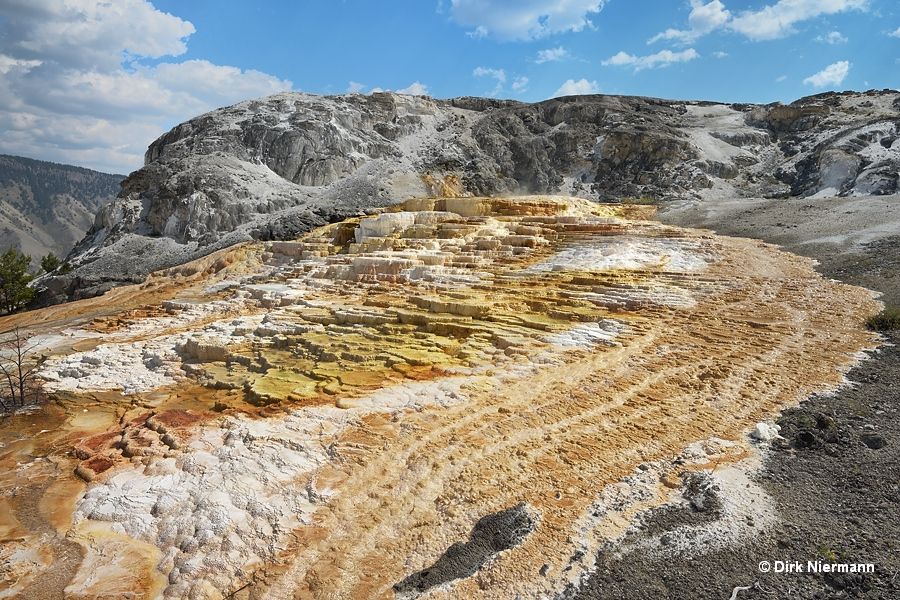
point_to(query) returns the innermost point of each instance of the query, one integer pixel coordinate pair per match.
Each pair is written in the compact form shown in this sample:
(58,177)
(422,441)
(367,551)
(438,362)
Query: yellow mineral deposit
(447,186)
(326,418)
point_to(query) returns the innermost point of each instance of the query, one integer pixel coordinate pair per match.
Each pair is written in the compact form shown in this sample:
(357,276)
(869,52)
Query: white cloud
(520,85)
(215,85)
(415,89)
(720,54)
(523,19)
(551,54)
(895,34)
(780,79)
(90,33)
(66,96)
(355,88)
(768,23)
(704,19)
(832,75)
(577,88)
(499,75)
(777,21)
(660,59)
(833,37)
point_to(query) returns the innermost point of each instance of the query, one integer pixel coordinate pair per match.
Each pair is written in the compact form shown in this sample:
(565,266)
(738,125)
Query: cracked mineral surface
(458,397)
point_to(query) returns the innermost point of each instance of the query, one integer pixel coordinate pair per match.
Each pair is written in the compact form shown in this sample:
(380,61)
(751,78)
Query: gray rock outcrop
(276,167)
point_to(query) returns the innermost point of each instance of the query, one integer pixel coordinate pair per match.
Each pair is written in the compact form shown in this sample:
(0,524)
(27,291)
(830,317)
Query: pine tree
(49,263)
(14,280)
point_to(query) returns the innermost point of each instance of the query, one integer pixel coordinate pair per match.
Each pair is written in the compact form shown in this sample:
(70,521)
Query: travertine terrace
(456,398)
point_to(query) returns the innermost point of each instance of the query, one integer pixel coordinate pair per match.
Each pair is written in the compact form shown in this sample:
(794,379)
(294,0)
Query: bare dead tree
(18,367)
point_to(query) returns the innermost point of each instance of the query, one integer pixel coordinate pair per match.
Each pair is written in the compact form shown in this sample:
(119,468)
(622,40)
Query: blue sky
(93,82)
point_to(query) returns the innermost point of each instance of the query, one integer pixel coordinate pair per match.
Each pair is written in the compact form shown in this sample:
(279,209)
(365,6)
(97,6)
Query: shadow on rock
(491,535)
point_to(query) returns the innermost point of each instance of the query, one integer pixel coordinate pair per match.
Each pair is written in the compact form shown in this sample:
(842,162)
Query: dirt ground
(835,475)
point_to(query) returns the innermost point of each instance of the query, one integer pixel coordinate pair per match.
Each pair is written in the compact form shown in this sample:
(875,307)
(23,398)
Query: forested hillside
(47,207)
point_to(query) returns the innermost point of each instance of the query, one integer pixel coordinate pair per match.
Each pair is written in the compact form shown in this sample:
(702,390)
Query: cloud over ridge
(767,23)
(660,59)
(833,74)
(778,20)
(508,20)
(704,19)
(73,87)
(577,88)
(88,33)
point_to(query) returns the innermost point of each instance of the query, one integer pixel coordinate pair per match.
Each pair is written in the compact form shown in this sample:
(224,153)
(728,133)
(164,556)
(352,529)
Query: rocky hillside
(46,207)
(275,167)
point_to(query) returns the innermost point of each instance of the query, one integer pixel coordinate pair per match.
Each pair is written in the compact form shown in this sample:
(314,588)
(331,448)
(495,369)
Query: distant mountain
(47,207)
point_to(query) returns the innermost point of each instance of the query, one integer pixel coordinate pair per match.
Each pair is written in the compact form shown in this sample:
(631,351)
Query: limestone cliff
(276,167)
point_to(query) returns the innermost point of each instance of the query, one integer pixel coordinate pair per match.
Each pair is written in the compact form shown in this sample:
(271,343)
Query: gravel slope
(855,239)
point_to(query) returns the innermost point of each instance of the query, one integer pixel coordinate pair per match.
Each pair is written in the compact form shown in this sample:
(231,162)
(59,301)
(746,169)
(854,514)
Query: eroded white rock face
(743,510)
(837,172)
(586,335)
(220,509)
(276,167)
(153,360)
(384,225)
(133,368)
